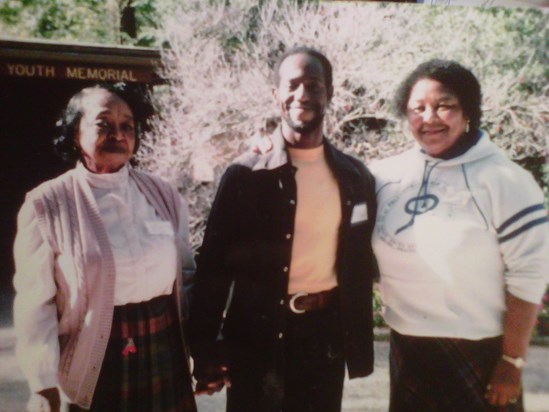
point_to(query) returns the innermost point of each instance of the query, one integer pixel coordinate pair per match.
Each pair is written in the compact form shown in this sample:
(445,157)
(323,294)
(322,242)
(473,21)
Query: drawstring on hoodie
(421,200)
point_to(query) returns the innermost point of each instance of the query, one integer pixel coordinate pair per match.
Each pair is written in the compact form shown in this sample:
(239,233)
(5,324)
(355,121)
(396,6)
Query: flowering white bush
(218,66)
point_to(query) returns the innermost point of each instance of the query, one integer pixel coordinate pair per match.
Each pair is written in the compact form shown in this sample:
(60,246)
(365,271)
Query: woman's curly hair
(455,78)
(64,142)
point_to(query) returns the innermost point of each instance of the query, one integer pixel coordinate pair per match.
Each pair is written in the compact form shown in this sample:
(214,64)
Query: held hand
(263,145)
(213,383)
(47,400)
(505,384)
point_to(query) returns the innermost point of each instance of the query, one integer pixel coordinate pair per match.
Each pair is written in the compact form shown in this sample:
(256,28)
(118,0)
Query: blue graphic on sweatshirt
(417,206)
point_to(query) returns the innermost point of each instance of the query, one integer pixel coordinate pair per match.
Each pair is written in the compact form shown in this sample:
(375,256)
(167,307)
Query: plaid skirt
(443,374)
(145,368)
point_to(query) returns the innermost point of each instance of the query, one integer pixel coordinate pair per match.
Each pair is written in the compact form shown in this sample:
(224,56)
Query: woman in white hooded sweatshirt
(462,243)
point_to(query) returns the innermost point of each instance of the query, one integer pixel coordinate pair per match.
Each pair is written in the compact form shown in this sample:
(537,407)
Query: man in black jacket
(289,234)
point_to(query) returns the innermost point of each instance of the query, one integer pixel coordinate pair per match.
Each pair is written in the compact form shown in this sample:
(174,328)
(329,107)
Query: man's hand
(211,376)
(505,384)
(214,383)
(47,400)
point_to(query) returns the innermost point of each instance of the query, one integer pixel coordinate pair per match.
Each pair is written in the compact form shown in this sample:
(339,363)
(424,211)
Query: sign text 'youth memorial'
(77,72)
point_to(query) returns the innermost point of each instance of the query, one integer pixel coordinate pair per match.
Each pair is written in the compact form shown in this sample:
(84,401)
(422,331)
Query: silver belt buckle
(292,302)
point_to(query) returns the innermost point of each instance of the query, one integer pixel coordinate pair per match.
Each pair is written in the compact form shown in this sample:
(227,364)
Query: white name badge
(159,227)
(360,214)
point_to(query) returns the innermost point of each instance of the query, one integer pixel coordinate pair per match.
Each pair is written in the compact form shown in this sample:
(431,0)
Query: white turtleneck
(142,243)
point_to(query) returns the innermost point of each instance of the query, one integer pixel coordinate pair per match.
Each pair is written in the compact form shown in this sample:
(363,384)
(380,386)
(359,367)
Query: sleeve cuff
(528,295)
(43,381)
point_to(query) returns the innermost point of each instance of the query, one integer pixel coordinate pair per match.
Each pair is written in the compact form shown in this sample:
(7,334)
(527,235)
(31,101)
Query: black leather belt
(302,302)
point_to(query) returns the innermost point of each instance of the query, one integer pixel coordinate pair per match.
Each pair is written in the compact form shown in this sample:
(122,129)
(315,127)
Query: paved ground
(361,395)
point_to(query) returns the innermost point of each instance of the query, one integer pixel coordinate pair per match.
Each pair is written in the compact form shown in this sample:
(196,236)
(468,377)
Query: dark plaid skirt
(145,368)
(443,374)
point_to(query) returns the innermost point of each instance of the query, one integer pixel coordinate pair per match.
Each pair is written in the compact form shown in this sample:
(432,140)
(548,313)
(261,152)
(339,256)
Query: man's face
(302,94)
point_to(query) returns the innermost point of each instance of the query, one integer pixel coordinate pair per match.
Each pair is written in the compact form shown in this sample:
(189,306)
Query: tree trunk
(127,21)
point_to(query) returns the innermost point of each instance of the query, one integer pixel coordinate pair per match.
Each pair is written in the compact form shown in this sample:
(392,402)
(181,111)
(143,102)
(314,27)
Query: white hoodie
(452,235)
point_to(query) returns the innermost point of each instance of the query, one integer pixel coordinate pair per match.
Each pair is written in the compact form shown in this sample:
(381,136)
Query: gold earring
(468,126)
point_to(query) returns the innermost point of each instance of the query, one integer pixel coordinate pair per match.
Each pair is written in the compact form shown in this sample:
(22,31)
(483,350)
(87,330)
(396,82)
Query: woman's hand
(47,400)
(262,145)
(505,384)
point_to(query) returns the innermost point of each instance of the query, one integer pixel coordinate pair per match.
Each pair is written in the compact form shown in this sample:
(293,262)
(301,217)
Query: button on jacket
(248,245)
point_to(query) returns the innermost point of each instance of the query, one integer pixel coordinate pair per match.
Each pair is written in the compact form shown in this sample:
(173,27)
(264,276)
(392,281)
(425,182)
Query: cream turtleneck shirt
(142,243)
(317,221)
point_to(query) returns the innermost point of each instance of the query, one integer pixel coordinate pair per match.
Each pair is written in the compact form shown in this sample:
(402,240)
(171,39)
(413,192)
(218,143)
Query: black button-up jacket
(248,243)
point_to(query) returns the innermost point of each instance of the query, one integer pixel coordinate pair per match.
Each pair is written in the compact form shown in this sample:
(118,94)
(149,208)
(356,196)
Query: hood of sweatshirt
(390,171)
(483,148)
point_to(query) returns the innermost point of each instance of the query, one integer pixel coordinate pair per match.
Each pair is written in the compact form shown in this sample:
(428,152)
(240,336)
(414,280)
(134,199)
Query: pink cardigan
(70,226)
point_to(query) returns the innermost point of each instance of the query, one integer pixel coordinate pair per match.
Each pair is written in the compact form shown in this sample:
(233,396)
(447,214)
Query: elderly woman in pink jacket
(101,253)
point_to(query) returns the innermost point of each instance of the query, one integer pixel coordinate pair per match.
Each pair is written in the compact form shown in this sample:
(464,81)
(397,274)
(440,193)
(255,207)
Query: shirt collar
(118,179)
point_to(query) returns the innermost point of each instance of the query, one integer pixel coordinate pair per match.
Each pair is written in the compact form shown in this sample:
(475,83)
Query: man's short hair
(323,60)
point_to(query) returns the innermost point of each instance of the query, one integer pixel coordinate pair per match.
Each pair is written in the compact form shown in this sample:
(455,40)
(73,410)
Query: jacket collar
(278,156)
(338,161)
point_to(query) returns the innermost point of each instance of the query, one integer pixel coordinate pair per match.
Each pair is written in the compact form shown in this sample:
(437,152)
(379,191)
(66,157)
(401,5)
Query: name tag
(360,214)
(159,228)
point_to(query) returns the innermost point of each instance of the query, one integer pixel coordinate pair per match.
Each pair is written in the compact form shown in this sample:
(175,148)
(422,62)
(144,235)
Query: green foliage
(89,21)
(378,308)
(86,20)
(542,325)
